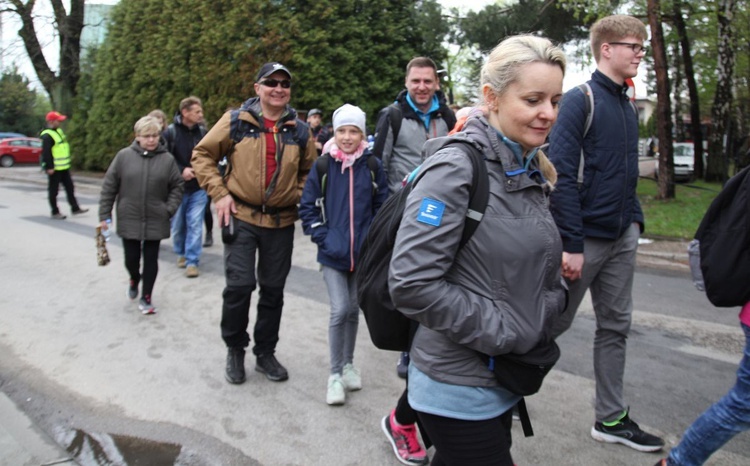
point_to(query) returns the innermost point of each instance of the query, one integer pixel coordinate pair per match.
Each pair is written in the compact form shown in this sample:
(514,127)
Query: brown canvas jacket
(246,179)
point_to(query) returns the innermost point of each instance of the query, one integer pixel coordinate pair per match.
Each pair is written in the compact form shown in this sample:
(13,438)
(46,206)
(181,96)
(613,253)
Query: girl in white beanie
(338,204)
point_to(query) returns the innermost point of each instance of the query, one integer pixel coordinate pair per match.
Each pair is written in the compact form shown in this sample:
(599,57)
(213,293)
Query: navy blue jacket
(181,141)
(606,204)
(347,223)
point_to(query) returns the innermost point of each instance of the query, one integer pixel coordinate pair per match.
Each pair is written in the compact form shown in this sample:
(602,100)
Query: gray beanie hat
(349,114)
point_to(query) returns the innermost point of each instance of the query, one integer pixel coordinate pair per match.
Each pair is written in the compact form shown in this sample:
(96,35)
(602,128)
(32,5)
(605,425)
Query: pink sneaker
(404,440)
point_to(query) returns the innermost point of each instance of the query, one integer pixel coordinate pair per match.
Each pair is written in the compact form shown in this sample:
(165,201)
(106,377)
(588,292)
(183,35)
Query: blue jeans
(342,325)
(187,226)
(723,420)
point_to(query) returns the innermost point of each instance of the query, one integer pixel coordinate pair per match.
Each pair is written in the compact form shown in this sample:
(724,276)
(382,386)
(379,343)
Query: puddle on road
(97,449)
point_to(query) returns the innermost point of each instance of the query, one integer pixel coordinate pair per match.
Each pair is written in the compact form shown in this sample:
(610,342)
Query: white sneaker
(336,394)
(351,378)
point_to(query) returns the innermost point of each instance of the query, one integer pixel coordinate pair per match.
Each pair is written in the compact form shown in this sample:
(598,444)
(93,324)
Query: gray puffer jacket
(148,188)
(502,291)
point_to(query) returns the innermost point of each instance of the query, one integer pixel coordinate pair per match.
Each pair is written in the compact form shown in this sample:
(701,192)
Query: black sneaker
(209,240)
(59,216)
(80,211)
(235,372)
(403,365)
(628,433)
(269,365)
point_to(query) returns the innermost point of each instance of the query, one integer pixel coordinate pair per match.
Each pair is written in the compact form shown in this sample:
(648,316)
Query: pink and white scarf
(347,160)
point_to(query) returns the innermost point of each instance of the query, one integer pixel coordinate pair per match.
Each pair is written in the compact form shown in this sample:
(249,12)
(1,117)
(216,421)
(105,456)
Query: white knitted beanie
(349,114)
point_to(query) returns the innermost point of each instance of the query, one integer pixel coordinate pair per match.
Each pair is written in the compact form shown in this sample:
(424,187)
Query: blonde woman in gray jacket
(502,291)
(145,183)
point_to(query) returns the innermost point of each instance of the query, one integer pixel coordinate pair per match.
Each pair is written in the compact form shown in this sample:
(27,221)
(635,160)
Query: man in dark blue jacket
(187,224)
(600,218)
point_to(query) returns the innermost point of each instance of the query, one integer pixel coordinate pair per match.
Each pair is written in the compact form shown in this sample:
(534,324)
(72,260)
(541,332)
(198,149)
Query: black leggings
(469,443)
(150,262)
(208,217)
(405,414)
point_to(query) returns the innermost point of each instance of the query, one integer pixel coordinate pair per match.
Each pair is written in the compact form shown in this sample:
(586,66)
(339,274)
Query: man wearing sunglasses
(600,218)
(269,153)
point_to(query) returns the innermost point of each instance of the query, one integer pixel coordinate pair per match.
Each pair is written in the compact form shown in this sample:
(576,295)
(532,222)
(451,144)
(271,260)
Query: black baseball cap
(315,111)
(270,68)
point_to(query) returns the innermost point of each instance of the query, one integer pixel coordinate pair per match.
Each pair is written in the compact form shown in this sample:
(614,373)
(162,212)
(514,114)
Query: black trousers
(469,443)
(208,217)
(53,187)
(273,248)
(150,250)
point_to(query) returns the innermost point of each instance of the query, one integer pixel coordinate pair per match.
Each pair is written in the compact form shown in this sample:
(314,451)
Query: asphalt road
(80,360)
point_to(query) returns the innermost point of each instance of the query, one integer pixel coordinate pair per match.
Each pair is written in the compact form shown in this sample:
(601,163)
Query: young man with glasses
(256,204)
(600,220)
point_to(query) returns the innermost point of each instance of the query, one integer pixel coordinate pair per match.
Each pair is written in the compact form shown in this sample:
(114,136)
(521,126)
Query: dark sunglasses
(285,83)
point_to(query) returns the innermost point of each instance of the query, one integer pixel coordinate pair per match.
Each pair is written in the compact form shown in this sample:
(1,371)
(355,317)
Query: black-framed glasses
(270,82)
(636,48)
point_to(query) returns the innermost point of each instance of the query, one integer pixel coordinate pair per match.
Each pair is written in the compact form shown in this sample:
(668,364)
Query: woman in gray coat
(144,181)
(502,291)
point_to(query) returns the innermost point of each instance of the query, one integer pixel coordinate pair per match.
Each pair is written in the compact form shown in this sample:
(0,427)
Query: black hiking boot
(235,372)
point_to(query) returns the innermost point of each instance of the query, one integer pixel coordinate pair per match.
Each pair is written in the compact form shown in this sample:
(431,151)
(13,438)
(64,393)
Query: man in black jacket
(182,135)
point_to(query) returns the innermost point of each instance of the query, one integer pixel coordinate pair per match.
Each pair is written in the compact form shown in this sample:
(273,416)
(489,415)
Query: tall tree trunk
(61,87)
(663,105)
(695,110)
(720,110)
(679,127)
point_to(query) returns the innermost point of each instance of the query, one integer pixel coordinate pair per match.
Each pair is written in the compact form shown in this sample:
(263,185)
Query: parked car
(20,150)
(683,154)
(11,135)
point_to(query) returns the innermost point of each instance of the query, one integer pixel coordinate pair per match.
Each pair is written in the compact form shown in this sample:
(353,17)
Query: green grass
(678,217)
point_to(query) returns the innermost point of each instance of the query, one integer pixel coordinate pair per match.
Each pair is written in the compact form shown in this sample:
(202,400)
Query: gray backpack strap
(586,89)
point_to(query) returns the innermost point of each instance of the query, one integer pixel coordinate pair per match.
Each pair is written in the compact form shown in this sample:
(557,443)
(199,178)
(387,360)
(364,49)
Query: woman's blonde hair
(159,114)
(503,67)
(147,125)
